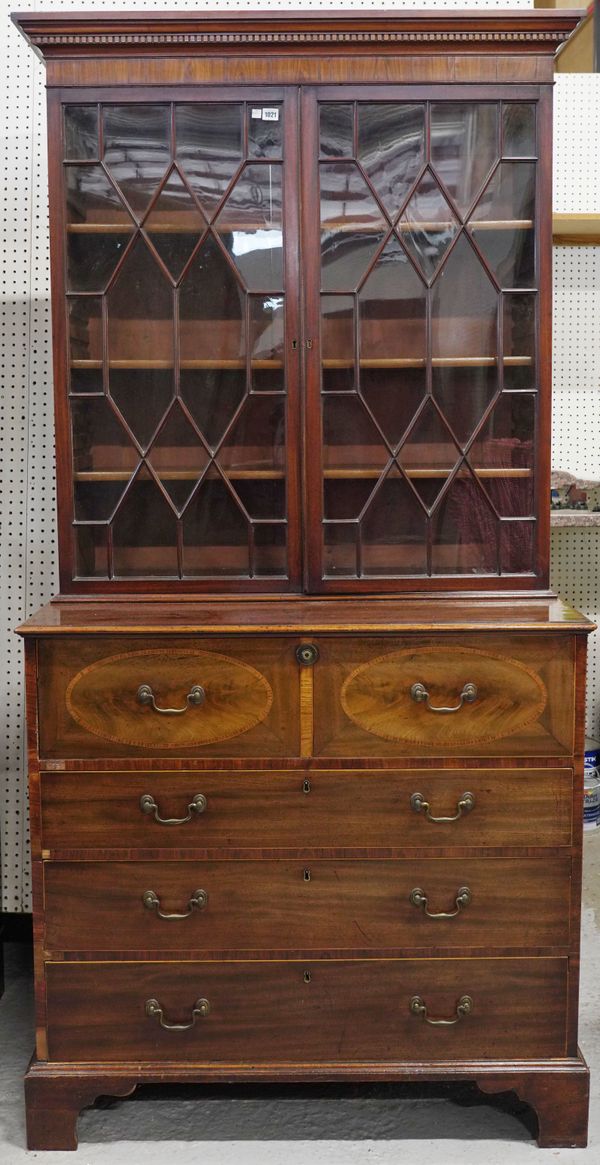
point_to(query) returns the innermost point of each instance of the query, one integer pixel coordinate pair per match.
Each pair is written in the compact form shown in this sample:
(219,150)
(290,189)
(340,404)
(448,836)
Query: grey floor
(294,1126)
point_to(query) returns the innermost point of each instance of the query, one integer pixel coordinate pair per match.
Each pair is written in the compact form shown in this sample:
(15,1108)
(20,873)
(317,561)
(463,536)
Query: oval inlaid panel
(103,698)
(376,696)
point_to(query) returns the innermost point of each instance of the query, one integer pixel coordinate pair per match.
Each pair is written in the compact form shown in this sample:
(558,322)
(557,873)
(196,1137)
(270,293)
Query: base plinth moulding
(557,1090)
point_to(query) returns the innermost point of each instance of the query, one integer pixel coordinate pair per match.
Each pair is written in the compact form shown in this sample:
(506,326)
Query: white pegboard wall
(577,143)
(27,524)
(574,574)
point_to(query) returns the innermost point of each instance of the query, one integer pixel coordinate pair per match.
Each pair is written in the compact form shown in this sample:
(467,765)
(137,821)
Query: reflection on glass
(517,541)
(519,313)
(392,311)
(428,225)
(508,246)
(137,149)
(250,224)
(144,532)
(212,312)
(503,450)
(464,530)
(337,343)
(336,122)
(393,396)
(266,343)
(81,131)
(464,140)
(391,147)
(215,533)
(464,309)
(265,133)
(100,442)
(518,131)
(178,456)
(352,227)
(85,343)
(93,204)
(212,396)
(208,148)
(393,531)
(174,224)
(140,312)
(256,441)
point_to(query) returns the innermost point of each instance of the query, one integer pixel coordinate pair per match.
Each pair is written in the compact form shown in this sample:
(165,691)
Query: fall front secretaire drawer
(106,697)
(482,695)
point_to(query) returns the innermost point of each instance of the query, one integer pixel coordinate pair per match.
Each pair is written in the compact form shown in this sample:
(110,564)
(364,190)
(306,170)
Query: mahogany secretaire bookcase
(305,723)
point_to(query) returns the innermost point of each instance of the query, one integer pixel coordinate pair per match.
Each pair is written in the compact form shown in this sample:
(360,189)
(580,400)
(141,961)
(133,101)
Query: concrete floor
(336,1125)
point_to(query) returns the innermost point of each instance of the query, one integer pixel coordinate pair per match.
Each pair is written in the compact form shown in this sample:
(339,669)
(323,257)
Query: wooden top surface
(107,32)
(301,615)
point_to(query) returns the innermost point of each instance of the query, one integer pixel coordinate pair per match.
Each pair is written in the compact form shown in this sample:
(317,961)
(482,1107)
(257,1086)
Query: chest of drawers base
(314,873)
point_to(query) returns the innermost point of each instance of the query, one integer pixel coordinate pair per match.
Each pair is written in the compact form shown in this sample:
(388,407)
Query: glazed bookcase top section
(73,34)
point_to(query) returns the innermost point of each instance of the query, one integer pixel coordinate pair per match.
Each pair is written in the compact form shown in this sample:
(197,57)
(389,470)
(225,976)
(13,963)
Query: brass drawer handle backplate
(463,1007)
(153,1010)
(198,901)
(418,898)
(419,804)
(196,805)
(196,696)
(420,695)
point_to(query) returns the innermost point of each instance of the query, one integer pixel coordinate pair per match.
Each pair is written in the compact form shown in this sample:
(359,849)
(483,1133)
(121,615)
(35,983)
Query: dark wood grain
(267,1012)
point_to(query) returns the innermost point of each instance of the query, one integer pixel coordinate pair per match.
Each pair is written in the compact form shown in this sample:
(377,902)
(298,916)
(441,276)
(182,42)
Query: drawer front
(330,1011)
(326,905)
(293,810)
(118,697)
(485,695)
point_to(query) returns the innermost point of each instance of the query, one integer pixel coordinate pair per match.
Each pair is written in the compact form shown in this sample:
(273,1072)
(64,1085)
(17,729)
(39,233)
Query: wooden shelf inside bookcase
(346,473)
(345,225)
(399,362)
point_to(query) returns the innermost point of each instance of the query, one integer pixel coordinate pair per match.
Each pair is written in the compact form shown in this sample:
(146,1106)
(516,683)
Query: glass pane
(85,343)
(463,395)
(178,457)
(215,533)
(142,396)
(81,131)
(346,498)
(464,139)
(336,131)
(265,133)
(519,131)
(352,444)
(517,541)
(352,227)
(428,454)
(267,343)
(464,530)
(428,225)
(91,551)
(144,532)
(392,312)
(393,531)
(98,228)
(212,396)
(503,221)
(255,443)
(270,552)
(339,550)
(209,148)
(175,224)
(212,313)
(393,395)
(250,225)
(337,343)
(262,498)
(101,443)
(503,452)
(137,150)
(140,313)
(464,310)
(391,147)
(519,313)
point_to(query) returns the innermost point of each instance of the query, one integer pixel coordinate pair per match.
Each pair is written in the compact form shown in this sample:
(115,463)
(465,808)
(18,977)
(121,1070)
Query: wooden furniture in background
(289,823)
